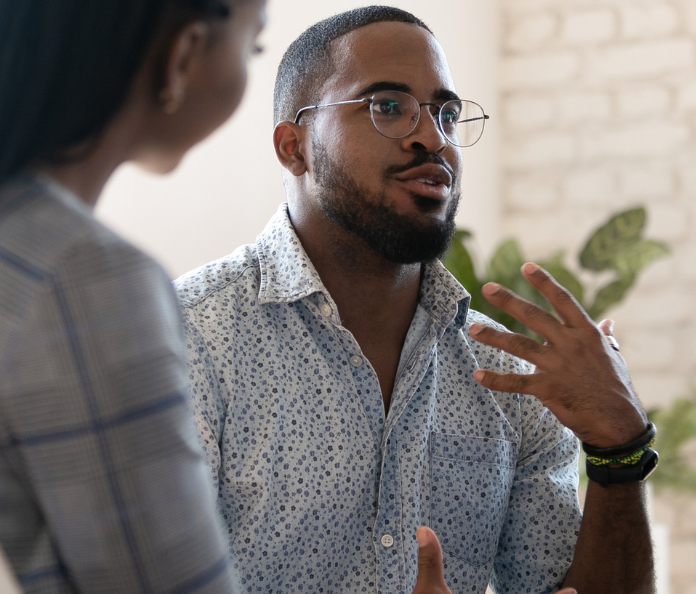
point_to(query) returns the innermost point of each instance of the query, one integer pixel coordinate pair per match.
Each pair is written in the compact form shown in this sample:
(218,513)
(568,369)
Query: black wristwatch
(634,473)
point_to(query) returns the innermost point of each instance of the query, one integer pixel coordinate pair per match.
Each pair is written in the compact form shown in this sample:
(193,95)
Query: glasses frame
(438,114)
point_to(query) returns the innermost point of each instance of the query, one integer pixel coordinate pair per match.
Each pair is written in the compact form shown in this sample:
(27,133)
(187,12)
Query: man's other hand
(430,577)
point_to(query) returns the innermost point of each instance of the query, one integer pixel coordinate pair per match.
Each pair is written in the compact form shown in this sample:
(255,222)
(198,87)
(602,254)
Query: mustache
(421,158)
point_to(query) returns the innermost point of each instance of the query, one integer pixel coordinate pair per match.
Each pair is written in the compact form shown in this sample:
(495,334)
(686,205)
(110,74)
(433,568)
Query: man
(338,375)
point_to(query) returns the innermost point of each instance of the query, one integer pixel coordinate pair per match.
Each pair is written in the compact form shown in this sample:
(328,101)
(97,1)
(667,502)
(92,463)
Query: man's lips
(429,180)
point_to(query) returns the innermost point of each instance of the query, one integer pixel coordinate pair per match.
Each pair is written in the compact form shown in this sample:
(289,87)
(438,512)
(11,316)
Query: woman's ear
(288,140)
(182,60)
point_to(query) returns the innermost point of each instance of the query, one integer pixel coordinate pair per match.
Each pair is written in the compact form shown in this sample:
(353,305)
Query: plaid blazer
(102,485)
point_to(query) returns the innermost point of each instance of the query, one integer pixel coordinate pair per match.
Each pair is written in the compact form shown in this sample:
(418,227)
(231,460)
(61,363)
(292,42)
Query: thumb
(430,577)
(567,591)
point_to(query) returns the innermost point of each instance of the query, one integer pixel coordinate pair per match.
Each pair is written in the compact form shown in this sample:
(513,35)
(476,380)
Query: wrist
(630,462)
(618,451)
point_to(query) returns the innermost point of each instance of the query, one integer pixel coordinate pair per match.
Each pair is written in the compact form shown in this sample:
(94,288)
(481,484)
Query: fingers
(567,591)
(509,382)
(431,579)
(561,300)
(515,344)
(532,316)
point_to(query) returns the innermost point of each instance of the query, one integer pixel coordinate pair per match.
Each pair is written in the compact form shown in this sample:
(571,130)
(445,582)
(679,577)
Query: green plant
(617,247)
(676,426)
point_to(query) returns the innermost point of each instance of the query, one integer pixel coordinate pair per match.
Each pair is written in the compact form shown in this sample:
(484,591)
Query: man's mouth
(428,180)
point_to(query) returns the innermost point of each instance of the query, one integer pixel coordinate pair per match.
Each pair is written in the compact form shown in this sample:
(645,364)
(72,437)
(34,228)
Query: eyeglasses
(396,114)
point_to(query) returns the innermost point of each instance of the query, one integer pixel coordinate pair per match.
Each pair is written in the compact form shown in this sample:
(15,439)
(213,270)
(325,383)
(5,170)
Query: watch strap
(634,473)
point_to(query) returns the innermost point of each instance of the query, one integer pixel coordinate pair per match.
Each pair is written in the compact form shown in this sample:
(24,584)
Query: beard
(398,238)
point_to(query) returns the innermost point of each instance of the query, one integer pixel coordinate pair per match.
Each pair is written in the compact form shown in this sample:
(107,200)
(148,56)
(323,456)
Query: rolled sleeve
(538,538)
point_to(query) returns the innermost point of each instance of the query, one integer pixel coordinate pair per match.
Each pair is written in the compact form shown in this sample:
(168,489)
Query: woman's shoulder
(48,229)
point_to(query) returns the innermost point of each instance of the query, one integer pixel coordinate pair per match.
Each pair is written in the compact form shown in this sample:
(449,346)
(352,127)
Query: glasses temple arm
(485,117)
(299,112)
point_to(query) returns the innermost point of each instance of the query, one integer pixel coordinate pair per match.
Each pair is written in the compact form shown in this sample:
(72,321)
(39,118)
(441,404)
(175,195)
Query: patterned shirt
(318,489)
(102,484)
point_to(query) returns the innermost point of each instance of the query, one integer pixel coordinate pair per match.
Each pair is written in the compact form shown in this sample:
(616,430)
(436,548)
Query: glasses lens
(462,122)
(394,114)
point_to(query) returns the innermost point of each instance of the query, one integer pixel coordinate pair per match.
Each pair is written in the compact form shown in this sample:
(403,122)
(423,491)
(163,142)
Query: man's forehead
(390,51)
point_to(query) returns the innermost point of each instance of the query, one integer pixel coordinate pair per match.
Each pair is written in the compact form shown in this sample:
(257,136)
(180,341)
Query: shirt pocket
(471,479)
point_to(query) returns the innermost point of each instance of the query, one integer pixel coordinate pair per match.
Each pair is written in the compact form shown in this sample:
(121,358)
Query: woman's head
(68,67)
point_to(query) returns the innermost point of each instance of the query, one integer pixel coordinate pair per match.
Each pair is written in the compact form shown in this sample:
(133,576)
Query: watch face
(650,464)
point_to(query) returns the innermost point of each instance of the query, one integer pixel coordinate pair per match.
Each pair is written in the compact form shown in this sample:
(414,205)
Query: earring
(170,104)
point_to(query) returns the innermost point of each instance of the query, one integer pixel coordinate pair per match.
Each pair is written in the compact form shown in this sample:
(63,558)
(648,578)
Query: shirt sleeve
(207,402)
(104,434)
(537,542)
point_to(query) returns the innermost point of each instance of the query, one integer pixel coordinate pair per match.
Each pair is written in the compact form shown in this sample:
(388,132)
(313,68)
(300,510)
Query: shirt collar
(287,274)
(443,296)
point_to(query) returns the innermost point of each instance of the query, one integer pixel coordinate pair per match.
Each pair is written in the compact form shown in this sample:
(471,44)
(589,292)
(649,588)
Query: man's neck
(376,299)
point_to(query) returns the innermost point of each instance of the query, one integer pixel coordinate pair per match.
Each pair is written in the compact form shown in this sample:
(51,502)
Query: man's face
(399,195)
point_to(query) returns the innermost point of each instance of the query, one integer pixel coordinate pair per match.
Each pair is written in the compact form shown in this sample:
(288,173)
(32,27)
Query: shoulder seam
(192,302)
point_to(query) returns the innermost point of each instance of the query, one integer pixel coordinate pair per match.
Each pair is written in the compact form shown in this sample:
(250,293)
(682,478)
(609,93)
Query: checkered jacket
(102,487)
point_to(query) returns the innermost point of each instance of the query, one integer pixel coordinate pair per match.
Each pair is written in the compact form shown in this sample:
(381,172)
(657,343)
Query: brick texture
(598,113)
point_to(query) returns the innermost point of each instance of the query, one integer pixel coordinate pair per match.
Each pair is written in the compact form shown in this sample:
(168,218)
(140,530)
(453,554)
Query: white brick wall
(598,113)
(640,60)
(588,27)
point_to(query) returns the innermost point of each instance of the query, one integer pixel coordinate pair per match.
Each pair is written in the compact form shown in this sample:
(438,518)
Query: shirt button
(356,361)
(325,310)
(387,541)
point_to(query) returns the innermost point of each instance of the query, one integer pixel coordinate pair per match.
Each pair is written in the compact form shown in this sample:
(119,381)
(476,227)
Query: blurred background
(593,111)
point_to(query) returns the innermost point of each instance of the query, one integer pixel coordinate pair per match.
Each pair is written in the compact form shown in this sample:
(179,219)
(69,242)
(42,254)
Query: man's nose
(427,135)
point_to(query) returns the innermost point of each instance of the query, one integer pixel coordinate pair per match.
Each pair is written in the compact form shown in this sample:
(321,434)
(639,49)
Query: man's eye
(388,107)
(450,117)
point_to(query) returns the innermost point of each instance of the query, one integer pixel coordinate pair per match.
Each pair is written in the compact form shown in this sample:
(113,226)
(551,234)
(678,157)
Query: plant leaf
(604,244)
(633,257)
(504,267)
(676,426)
(610,295)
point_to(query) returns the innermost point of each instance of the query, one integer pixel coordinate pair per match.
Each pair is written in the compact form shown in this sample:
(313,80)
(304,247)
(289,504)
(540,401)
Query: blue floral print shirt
(318,489)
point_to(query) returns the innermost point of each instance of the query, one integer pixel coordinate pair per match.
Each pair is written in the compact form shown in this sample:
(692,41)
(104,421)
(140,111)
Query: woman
(101,484)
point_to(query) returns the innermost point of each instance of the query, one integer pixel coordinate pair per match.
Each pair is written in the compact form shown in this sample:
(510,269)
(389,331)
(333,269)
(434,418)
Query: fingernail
(492,288)
(475,329)
(531,267)
(479,375)
(421,538)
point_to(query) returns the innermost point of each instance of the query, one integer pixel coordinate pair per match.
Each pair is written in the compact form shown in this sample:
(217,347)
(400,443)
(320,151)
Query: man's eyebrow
(446,95)
(385,85)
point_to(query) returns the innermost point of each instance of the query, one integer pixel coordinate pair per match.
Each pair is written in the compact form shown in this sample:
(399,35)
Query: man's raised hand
(578,375)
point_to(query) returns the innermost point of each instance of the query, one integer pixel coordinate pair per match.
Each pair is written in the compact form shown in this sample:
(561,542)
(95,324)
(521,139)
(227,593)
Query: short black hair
(307,63)
(66,67)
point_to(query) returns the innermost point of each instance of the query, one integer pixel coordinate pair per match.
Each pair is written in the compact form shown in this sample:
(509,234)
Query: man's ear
(182,60)
(289,147)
